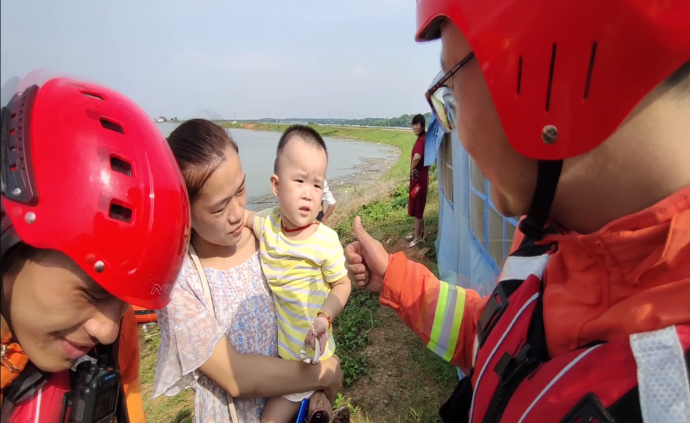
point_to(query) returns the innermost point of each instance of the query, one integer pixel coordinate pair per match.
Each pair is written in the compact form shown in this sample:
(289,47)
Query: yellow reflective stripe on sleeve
(455,327)
(447,320)
(438,316)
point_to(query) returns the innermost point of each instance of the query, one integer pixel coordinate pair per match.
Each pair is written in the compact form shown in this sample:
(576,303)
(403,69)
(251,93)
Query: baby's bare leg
(279,410)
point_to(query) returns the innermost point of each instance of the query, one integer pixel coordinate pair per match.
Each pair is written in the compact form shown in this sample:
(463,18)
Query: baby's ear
(275,183)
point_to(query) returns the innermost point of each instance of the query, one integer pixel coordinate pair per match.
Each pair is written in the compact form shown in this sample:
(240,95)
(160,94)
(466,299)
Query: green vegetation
(176,409)
(403,121)
(390,376)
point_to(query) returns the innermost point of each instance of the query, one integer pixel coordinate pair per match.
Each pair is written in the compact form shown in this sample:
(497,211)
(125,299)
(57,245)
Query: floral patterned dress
(189,332)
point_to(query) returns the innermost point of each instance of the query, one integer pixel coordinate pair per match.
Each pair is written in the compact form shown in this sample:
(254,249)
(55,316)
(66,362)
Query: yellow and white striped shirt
(299,273)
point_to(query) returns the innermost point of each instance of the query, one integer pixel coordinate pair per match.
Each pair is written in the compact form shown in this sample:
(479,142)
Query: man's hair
(680,80)
(303,132)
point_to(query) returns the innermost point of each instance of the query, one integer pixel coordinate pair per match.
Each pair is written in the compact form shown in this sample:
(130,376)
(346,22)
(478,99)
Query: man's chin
(53,364)
(505,206)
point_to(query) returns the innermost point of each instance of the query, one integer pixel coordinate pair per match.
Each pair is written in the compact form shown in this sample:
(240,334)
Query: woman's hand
(414,173)
(332,376)
(367,260)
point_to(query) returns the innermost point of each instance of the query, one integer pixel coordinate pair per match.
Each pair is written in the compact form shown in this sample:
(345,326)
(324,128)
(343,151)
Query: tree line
(400,121)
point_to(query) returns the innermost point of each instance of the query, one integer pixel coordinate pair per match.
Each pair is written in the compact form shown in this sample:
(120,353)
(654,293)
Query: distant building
(161,119)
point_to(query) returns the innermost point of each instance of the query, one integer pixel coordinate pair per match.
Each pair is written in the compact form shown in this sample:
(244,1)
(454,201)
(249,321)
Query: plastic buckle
(588,409)
(493,311)
(509,366)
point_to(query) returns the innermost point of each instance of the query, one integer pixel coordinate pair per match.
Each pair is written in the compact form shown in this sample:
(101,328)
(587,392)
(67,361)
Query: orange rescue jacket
(631,276)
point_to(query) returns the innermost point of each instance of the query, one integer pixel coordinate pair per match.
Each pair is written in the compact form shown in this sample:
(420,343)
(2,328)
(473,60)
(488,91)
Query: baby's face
(301,172)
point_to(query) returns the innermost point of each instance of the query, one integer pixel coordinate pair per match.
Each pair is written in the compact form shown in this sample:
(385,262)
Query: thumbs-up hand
(367,260)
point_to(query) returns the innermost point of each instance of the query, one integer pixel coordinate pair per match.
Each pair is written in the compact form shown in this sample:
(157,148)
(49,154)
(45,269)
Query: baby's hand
(320,331)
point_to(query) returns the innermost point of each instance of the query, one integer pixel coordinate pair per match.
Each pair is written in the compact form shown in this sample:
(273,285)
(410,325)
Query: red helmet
(86,172)
(580,66)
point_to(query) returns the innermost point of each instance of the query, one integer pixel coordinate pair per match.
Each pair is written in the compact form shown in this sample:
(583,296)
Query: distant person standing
(419,181)
(327,204)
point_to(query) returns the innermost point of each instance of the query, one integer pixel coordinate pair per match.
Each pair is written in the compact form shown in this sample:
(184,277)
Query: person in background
(328,201)
(553,101)
(225,351)
(419,181)
(82,236)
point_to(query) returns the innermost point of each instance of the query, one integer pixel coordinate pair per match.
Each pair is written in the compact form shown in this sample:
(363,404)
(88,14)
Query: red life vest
(643,378)
(43,405)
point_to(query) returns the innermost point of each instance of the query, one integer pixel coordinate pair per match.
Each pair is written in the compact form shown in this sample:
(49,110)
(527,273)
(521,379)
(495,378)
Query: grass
(389,375)
(177,409)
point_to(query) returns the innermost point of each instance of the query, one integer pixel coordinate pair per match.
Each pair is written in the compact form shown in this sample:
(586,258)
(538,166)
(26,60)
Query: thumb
(362,236)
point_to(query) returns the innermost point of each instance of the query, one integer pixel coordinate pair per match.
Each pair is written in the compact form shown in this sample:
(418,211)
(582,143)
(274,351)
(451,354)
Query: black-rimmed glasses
(440,97)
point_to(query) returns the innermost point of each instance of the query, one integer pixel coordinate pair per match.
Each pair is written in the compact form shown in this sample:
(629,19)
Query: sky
(230,59)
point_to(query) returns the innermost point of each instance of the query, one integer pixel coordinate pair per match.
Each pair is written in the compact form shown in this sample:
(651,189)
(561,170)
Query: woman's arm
(250,376)
(415,161)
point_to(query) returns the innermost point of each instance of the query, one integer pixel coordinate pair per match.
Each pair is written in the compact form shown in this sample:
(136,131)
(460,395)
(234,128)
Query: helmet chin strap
(548,173)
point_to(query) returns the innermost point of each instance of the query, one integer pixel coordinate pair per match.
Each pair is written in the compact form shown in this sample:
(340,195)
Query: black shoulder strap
(113,352)
(26,384)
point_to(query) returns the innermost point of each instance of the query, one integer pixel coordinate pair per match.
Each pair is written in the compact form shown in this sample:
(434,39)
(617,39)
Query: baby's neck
(298,233)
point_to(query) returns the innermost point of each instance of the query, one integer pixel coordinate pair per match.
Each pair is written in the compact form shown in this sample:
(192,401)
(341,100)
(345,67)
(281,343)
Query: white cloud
(359,71)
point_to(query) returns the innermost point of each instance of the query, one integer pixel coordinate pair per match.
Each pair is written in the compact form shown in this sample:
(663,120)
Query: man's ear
(275,182)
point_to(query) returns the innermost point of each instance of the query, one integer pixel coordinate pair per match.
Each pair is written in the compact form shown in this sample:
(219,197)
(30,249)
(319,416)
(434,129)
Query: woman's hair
(420,120)
(199,146)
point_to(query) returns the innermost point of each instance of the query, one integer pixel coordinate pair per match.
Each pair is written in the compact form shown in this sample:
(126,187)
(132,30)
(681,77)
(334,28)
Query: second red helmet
(85,171)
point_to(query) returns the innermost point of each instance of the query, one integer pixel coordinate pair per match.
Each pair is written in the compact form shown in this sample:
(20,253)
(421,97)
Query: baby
(302,259)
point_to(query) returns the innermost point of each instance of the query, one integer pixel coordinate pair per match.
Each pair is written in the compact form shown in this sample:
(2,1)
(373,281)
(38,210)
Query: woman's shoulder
(249,244)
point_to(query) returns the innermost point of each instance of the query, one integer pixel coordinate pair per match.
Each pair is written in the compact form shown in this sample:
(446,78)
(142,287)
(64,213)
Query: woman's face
(218,211)
(57,312)
(417,128)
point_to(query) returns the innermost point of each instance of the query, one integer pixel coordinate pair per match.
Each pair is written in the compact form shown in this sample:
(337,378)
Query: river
(257,152)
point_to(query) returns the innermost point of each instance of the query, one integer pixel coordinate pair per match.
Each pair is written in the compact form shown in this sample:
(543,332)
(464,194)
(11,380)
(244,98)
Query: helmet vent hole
(590,69)
(519,76)
(108,124)
(121,166)
(121,213)
(92,94)
(553,64)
